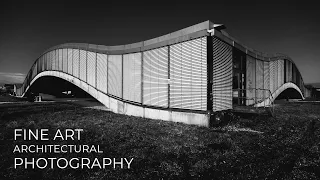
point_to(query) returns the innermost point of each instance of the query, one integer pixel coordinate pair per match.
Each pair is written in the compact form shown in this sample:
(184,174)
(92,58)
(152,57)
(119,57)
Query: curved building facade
(184,76)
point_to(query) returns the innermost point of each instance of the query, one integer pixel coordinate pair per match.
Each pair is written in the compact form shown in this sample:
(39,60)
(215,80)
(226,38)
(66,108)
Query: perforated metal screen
(83,65)
(222,76)
(76,63)
(188,75)
(70,63)
(34,71)
(91,68)
(54,62)
(288,71)
(266,78)
(176,76)
(115,75)
(44,64)
(60,60)
(273,76)
(155,77)
(132,77)
(259,80)
(251,80)
(102,72)
(65,60)
(49,61)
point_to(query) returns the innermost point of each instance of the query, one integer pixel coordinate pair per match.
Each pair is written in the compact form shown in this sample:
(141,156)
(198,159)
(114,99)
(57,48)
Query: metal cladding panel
(155,77)
(91,68)
(70,63)
(75,62)
(259,80)
(188,75)
(251,80)
(266,78)
(132,77)
(60,59)
(65,60)
(83,65)
(102,72)
(115,75)
(222,76)
(280,73)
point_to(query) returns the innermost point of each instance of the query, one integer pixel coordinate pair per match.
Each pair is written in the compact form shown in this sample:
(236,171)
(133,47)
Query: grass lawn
(284,147)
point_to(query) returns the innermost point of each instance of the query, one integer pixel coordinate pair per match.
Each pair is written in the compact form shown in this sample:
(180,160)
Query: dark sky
(27,29)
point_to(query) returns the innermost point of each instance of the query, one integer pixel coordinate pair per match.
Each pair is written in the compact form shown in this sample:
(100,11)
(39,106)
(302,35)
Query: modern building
(185,76)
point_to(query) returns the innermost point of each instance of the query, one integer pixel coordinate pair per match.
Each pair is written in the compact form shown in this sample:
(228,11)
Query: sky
(28,29)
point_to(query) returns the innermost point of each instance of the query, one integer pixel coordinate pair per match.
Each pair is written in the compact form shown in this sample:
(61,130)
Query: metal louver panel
(115,75)
(251,80)
(266,77)
(102,72)
(280,72)
(70,63)
(222,76)
(259,80)
(65,60)
(91,68)
(76,63)
(60,59)
(132,77)
(155,77)
(83,65)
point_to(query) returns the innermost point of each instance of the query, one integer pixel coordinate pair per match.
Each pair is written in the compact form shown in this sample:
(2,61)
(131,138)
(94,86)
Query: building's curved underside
(183,76)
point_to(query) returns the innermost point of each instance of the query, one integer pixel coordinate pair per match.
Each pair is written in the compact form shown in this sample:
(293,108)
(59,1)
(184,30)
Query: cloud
(11,78)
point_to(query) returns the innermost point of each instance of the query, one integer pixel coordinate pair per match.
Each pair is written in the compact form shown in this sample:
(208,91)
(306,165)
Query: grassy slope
(171,150)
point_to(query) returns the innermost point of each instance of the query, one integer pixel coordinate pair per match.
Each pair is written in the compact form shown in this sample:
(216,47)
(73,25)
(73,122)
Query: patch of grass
(171,150)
